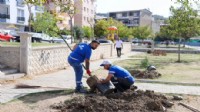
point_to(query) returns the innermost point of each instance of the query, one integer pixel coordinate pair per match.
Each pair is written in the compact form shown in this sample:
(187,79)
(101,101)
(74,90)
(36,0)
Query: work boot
(80,90)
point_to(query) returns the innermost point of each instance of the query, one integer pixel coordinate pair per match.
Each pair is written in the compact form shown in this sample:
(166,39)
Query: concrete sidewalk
(62,79)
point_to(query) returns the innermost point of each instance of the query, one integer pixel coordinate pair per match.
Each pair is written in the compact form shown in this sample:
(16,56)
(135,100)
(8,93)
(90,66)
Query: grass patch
(158,61)
(15,44)
(188,71)
(9,43)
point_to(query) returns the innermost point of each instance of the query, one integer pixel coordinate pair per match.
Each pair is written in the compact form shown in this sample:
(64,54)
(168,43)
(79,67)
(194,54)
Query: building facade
(15,13)
(67,19)
(133,18)
(85,13)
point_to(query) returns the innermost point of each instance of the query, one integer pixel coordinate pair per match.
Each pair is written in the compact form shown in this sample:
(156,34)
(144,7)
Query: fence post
(25,52)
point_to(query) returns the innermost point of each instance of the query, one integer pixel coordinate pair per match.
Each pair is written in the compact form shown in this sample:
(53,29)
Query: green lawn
(158,61)
(186,71)
(33,44)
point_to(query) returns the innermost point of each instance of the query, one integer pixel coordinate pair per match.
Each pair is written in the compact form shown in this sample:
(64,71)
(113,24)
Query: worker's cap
(106,62)
(95,41)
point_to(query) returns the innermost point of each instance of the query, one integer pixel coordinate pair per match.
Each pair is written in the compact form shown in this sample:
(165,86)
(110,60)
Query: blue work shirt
(81,52)
(120,72)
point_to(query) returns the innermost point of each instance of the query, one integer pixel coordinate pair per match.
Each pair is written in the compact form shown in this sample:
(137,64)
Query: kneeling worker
(120,77)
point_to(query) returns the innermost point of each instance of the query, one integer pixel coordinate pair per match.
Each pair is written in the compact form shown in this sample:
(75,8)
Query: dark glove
(88,72)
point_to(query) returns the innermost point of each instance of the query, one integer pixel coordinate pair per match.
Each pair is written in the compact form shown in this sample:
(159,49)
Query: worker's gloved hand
(88,72)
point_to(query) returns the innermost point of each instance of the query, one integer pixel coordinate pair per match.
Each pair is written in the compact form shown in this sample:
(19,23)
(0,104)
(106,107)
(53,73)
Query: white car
(67,38)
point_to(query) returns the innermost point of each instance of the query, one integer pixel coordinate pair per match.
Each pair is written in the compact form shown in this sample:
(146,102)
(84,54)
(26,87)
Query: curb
(12,76)
(166,82)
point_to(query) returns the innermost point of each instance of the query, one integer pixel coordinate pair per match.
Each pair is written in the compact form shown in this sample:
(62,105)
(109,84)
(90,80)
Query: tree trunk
(184,41)
(179,51)
(71,28)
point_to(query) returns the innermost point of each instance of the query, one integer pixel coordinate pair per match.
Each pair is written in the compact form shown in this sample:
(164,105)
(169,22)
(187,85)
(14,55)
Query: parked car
(4,36)
(36,37)
(104,41)
(67,38)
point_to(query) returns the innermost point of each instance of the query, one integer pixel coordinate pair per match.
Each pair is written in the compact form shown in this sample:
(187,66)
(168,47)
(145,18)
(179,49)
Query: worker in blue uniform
(81,52)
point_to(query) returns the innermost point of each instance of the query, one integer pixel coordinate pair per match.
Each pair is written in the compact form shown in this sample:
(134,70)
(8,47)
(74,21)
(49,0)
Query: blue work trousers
(78,69)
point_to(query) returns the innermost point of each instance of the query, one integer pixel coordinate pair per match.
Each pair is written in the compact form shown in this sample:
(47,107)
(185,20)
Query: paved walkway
(165,88)
(194,47)
(66,79)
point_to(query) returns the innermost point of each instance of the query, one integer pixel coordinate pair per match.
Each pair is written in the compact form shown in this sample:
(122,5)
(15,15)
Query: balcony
(20,19)
(4,2)
(4,16)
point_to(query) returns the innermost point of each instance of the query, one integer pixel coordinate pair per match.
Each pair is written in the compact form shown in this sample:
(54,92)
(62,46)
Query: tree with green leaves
(30,4)
(79,33)
(101,28)
(141,32)
(87,31)
(184,22)
(46,23)
(52,22)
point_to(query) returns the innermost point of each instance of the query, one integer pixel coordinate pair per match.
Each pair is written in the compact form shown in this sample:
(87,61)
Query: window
(84,18)
(20,13)
(87,18)
(87,10)
(126,21)
(91,11)
(113,15)
(84,9)
(130,13)
(135,21)
(136,14)
(124,14)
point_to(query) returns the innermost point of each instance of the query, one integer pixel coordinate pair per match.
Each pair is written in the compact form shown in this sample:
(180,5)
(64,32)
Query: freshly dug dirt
(129,101)
(153,74)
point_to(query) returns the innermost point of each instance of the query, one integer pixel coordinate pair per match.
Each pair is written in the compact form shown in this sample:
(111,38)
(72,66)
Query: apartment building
(64,16)
(85,13)
(14,12)
(133,18)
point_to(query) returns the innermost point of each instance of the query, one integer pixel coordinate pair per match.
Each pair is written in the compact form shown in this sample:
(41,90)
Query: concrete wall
(46,59)
(10,56)
(51,58)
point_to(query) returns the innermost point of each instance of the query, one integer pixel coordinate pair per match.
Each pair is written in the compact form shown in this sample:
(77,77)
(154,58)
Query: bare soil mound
(129,101)
(153,74)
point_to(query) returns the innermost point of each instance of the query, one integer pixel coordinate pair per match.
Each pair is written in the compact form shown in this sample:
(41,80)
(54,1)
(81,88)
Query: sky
(159,7)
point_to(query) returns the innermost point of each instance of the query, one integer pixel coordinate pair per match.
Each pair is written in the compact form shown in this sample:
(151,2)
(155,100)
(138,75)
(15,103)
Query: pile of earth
(129,101)
(153,74)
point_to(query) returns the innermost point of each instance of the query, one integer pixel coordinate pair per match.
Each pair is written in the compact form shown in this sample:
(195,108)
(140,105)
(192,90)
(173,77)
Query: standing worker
(119,46)
(81,52)
(120,77)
